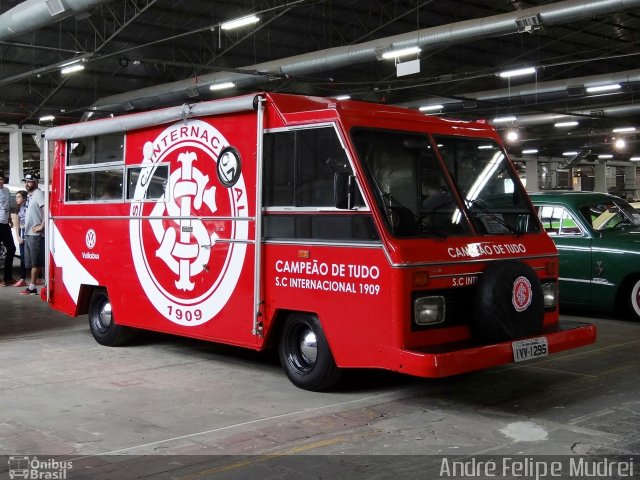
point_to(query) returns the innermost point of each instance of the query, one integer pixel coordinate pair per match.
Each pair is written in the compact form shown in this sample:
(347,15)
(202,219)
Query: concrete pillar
(600,170)
(531,170)
(15,158)
(553,174)
(630,181)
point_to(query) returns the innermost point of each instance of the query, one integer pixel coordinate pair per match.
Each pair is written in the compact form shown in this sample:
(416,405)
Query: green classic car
(598,241)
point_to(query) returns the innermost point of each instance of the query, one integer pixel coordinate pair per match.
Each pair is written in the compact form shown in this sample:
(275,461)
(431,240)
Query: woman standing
(21,201)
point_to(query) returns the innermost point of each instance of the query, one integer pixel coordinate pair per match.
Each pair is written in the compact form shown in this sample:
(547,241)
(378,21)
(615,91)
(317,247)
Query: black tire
(634,299)
(101,323)
(504,306)
(305,355)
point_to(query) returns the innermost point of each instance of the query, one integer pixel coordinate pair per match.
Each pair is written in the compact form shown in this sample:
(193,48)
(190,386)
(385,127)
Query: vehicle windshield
(611,215)
(419,199)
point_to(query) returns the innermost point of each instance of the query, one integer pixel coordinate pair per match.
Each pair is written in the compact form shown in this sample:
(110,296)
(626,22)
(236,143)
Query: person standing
(21,201)
(6,237)
(33,232)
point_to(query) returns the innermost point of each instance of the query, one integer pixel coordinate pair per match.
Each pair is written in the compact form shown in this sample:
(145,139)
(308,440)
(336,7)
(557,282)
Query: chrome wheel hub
(105,316)
(309,347)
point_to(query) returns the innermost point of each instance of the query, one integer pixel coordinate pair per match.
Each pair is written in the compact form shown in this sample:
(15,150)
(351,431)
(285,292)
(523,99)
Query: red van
(345,234)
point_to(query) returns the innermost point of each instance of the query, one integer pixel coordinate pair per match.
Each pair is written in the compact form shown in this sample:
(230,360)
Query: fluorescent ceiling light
(401,53)
(431,108)
(510,118)
(239,22)
(343,97)
(517,72)
(604,88)
(569,154)
(635,159)
(47,118)
(605,155)
(566,124)
(624,129)
(530,151)
(222,86)
(484,147)
(76,67)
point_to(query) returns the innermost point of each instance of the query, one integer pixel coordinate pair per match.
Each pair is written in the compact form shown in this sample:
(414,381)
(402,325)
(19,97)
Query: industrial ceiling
(144,54)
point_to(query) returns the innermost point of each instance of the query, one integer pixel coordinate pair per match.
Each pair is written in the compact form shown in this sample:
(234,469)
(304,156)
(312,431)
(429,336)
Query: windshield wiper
(476,204)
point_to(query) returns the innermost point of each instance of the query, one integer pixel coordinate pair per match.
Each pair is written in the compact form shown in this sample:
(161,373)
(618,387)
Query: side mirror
(344,188)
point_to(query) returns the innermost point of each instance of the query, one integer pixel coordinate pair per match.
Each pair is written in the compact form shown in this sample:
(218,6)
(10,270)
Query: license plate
(531,348)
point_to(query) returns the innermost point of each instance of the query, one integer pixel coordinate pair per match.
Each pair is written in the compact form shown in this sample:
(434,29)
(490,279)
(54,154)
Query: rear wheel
(634,299)
(103,327)
(305,355)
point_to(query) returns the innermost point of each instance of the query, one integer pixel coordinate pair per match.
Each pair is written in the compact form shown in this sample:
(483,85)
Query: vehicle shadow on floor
(533,387)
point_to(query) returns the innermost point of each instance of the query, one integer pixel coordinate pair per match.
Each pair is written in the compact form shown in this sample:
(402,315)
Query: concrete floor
(63,394)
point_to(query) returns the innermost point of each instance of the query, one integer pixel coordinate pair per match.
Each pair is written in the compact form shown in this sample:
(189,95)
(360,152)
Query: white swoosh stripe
(74,275)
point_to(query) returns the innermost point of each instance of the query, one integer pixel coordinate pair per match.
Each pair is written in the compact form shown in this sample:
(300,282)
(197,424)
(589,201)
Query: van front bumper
(460,357)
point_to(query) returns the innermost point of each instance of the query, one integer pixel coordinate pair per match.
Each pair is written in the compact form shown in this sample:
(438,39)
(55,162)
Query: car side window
(557,221)
(569,226)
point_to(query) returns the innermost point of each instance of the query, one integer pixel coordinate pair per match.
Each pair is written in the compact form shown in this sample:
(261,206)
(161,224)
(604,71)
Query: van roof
(293,107)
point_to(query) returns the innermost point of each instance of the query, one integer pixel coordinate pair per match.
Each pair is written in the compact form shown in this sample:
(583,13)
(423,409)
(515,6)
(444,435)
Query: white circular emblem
(186,273)
(90,238)
(522,294)
(229,167)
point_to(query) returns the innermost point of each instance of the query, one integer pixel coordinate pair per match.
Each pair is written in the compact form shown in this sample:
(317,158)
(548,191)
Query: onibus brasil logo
(187,252)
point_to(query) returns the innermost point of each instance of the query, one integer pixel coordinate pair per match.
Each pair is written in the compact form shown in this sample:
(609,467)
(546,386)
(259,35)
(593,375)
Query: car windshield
(611,215)
(419,199)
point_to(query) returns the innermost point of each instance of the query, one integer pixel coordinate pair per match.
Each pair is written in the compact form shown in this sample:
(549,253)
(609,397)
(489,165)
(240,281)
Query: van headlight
(429,310)
(550,294)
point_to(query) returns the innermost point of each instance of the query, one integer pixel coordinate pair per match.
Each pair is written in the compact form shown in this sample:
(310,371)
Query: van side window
(299,171)
(279,168)
(155,179)
(94,185)
(300,166)
(95,150)
(95,168)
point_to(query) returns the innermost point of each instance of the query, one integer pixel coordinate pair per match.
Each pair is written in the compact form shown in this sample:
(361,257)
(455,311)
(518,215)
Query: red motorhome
(344,234)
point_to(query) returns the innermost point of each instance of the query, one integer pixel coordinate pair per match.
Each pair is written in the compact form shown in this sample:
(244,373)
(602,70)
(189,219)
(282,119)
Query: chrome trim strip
(257,254)
(481,260)
(130,217)
(289,210)
(229,240)
(323,244)
(471,274)
(603,282)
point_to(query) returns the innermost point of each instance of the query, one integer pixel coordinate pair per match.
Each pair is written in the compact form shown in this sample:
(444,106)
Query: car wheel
(305,355)
(634,299)
(508,303)
(101,323)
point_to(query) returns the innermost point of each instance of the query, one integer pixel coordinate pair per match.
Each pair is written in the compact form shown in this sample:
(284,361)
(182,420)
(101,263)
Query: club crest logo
(522,294)
(187,251)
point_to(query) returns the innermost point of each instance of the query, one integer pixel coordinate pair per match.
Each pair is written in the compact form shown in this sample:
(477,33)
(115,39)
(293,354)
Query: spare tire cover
(508,302)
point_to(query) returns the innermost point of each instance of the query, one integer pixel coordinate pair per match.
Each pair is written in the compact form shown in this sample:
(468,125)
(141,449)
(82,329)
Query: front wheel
(634,300)
(103,327)
(305,355)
